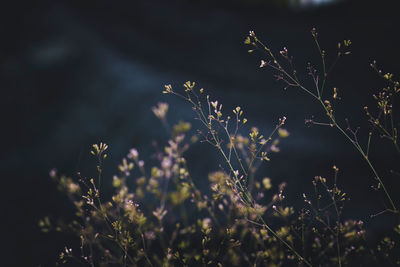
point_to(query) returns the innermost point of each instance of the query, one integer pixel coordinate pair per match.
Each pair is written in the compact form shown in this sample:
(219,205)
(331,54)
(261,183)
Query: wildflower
(283,133)
(206,223)
(267,183)
(159,213)
(133,154)
(166,163)
(189,86)
(168,89)
(160,111)
(99,149)
(284,52)
(150,235)
(53,173)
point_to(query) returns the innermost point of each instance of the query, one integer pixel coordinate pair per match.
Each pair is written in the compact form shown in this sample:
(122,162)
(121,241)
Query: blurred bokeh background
(74,73)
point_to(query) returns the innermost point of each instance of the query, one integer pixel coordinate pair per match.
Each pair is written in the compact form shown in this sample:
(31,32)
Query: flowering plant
(159,216)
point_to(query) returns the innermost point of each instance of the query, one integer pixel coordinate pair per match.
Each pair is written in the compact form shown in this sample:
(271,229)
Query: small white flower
(133,153)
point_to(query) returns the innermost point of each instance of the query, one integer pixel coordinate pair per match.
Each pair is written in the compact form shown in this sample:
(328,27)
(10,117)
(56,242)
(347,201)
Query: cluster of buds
(329,109)
(160,111)
(189,86)
(168,89)
(284,53)
(98,150)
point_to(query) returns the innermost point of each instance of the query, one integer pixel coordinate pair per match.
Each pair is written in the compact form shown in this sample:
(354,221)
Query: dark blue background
(78,72)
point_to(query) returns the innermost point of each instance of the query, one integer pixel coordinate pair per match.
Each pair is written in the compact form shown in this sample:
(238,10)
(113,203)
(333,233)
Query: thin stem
(251,178)
(243,192)
(369,143)
(284,242)
(322,53)
(233,147)
(331,117)
(144,249)
(338,218)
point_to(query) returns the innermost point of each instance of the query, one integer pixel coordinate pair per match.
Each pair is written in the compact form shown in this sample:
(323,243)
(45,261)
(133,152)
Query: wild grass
(158,216)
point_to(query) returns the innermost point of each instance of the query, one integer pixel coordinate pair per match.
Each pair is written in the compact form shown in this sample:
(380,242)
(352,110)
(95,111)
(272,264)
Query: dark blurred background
(75,73)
